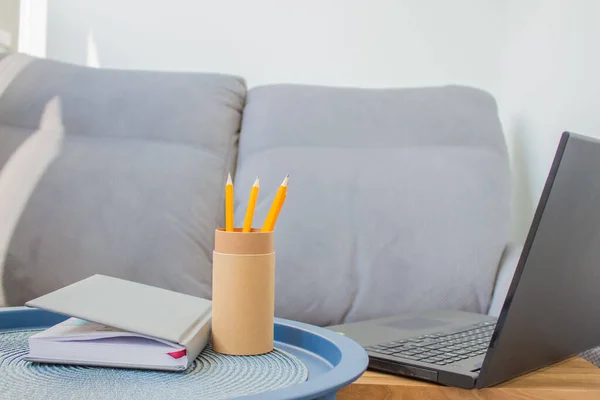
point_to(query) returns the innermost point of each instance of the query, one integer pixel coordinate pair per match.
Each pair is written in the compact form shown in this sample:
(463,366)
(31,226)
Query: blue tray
(333,361)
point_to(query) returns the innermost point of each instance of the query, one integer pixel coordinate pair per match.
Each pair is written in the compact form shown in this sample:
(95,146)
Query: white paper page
(75,329)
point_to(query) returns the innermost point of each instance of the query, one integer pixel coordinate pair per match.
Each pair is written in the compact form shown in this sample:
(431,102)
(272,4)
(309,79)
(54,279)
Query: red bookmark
(178,354)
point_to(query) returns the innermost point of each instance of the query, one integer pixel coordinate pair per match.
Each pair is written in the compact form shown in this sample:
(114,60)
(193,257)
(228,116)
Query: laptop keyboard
(441,348)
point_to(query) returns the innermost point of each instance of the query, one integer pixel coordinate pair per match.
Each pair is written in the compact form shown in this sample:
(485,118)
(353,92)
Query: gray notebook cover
(134,307)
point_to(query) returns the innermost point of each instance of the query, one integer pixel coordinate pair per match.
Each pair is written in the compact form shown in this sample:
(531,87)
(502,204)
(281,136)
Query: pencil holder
(243,305)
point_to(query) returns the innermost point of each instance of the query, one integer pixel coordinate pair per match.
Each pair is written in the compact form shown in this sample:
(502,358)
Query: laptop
(552,308)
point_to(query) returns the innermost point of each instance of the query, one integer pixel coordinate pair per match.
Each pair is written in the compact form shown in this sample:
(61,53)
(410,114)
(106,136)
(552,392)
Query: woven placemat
(593,356)
(212,376)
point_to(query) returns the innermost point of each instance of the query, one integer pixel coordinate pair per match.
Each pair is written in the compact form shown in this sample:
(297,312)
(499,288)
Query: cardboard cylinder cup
(243,292)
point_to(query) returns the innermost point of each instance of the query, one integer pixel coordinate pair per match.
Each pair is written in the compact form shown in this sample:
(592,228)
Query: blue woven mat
(212,376)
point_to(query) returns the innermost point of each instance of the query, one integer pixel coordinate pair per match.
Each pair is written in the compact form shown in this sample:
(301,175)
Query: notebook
(119,323)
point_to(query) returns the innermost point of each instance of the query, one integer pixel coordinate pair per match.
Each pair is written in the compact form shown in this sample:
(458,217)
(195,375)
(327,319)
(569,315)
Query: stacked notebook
(117,323)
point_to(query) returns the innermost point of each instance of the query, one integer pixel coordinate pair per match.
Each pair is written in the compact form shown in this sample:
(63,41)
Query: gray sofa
(398,198)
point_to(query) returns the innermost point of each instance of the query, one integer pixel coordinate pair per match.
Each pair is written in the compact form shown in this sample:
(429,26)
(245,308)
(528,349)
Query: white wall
(551,83)
(333,42)
(9,24)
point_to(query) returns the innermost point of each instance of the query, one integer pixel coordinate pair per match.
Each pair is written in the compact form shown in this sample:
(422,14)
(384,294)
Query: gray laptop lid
(552,309)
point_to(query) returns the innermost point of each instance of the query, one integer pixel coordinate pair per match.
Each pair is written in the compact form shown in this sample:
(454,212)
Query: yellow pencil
(229,205)
(271,219)
(251,206)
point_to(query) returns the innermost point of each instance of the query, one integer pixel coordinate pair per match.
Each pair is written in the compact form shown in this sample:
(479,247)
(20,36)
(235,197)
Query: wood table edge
(573,378)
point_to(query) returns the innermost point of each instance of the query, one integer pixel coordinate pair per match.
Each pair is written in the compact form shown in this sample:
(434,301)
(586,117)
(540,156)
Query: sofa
(398,198)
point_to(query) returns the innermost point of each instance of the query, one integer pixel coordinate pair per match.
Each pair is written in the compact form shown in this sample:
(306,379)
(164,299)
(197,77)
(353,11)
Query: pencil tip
(229,181)
(285,181)
(256,182)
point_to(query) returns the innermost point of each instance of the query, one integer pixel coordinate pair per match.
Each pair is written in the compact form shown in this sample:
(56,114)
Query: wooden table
(571,379)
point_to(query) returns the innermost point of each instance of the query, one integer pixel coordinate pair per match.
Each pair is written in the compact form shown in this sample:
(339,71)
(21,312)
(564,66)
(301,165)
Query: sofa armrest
(506,270)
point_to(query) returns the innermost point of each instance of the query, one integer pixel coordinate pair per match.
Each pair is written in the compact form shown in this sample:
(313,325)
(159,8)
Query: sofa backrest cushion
(116,172)
(398,199)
